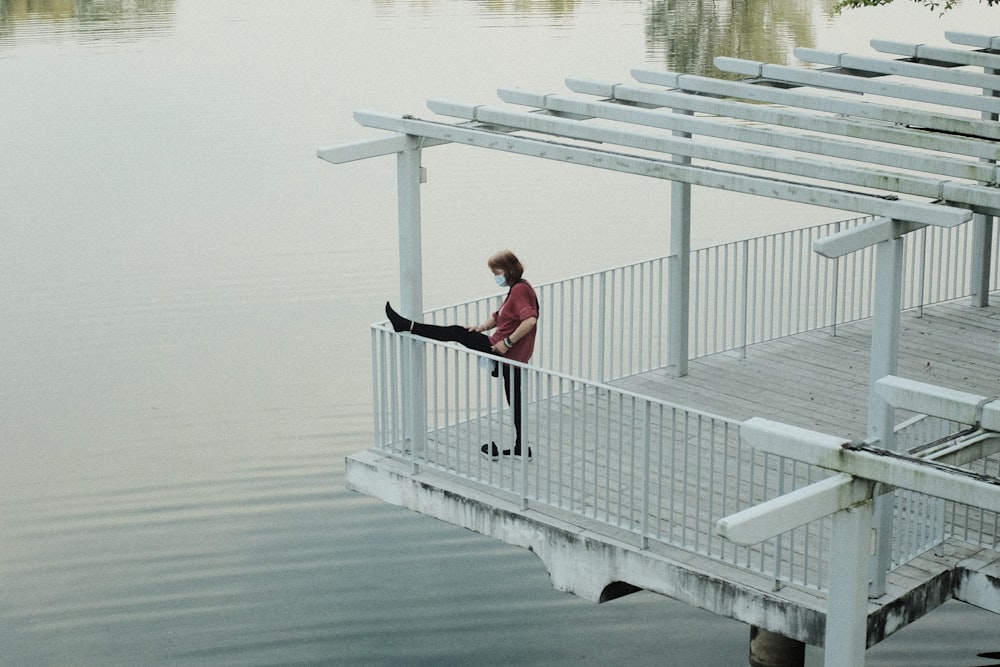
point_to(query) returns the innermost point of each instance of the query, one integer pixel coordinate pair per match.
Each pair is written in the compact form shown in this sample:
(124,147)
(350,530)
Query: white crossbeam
(892,468)
(841,491)
(797,508)
(898,68)
(842,145)
(362,150)
(851,240)
(938,54)
(929,399)
(664,169)
(856,108)
(991,42)
(852,84)
(958,193)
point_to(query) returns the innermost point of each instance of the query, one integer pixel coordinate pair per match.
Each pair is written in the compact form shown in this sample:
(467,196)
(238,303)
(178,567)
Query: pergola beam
(903,68)
(893,468)
(977,197)
(852,84)
(851,240)
(369,148)
(843,144)
(797,98)
(974,196)
(991,42)
(797,508)
(938,54)
(950,404)
(816,195)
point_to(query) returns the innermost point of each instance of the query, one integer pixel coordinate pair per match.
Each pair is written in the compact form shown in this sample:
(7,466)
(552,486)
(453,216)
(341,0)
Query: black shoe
(517,452)
(491,451)
(399,323)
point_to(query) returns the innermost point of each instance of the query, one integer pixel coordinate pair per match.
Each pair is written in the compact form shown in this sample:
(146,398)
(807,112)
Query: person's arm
(485,326)
(520,332)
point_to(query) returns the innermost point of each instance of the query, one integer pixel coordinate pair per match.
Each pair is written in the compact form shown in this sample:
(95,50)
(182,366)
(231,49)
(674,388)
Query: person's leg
(450,334)
(512,389)
(453,334)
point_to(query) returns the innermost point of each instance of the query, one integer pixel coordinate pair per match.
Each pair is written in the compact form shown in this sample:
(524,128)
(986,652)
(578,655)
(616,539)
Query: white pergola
(907,134)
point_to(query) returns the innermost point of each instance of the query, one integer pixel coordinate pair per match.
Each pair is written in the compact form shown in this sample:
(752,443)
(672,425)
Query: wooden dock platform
(816,380)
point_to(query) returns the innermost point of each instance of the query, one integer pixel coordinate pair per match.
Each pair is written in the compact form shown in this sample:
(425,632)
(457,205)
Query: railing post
(408,179)
(680,275)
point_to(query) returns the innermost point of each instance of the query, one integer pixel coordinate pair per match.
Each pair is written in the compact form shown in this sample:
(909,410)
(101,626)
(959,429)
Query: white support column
(410,250)
(982,257)
(847,601)
(679,304)
(884,357)
(408,177)
(982,236)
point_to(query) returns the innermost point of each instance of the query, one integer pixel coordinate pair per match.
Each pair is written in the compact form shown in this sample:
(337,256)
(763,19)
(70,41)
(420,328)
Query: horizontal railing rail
(663,472)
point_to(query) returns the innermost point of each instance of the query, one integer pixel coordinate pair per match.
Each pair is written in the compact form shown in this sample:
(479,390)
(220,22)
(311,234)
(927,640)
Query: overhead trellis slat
(782,133)
(837,146)
(783,116)
(817,195)
(898,68)
(973,195)
(795,98)
(852,84)
(991,42)
(938,54)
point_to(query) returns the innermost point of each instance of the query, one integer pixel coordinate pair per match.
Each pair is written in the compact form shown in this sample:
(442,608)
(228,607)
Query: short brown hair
(507,262)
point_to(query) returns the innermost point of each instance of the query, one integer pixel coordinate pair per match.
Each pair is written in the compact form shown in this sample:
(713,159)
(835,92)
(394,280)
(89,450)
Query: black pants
(480,342)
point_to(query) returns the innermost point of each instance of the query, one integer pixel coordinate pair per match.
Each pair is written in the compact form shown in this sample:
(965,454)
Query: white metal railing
(614,323)
(662,471)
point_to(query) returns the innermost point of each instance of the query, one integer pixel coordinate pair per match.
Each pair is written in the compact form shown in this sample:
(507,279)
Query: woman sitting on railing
(513,337)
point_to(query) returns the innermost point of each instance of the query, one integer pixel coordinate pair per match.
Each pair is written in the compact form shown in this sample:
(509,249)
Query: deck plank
(819,380)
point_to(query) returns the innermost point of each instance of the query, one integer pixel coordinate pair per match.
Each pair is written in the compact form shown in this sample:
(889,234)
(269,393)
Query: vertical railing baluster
(646,444)
(744,298)
(602,323)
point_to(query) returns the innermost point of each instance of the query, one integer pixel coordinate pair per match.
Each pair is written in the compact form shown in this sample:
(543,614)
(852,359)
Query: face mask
(501,280)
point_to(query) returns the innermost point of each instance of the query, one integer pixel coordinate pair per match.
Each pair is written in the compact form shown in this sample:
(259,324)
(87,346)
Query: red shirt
(520,304)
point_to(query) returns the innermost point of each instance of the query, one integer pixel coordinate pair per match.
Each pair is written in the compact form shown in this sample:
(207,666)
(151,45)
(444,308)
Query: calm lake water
(185,306)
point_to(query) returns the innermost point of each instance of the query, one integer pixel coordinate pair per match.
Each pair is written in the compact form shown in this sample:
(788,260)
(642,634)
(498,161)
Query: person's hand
(500,348)
(474,328)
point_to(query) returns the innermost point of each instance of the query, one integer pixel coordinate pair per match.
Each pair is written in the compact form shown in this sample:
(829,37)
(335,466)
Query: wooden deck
(820,381)
(585,527)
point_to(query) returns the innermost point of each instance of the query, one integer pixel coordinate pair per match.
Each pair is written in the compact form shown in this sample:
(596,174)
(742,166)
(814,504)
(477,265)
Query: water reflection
(687,34)
(87,19)
(548,7)
(563,8)
(683,35)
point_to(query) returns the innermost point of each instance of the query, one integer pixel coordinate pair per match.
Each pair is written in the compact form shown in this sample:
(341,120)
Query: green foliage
(943,5)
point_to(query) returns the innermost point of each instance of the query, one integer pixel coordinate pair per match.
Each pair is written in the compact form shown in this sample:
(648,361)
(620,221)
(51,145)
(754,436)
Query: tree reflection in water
(87,18)
(687,34)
